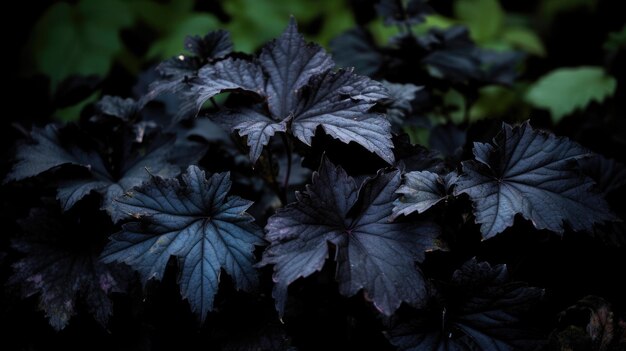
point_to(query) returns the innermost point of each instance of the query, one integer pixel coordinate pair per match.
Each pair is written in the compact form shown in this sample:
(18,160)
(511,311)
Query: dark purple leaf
(481,312)
(421,191)
(61,265)
(532,173)
(373,253)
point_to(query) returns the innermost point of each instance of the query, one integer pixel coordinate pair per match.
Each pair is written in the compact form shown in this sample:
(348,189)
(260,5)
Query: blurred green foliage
(85,37)
(79,39)
(565,90)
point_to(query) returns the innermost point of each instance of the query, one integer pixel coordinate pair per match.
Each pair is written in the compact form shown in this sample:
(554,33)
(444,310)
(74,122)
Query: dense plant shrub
(279,200)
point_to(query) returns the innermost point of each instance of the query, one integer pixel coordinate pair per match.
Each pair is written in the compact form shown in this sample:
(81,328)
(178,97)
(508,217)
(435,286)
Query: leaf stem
(288,171)
(282,195)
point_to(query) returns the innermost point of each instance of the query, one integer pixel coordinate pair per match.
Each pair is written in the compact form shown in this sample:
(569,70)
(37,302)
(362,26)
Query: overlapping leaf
(421,191)
(300,92)
(373,253)
(481,312)
(56,147)
(61,265)
(194,220)
(534,174)
(178,71)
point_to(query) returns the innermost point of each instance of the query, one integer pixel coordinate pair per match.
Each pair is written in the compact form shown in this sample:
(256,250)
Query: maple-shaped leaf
(61,265)
(194,220)
(480,311)
(534,174)
(373,253)
(56,147)
(422,190)
(299,92)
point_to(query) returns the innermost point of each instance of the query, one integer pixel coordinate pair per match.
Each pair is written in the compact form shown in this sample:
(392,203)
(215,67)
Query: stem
(288,172)
(282,195)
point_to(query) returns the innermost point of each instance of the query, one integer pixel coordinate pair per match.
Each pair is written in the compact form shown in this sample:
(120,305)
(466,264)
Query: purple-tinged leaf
(373,253)
(421,191)
(481,311)
(534,174)
(61,265)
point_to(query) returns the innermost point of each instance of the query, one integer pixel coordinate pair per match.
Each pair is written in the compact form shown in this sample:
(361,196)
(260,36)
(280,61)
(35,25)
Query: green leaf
(72,113)
(484,18)
(565,90)
(524,39)
(616,40)
(79,39)
(267,19)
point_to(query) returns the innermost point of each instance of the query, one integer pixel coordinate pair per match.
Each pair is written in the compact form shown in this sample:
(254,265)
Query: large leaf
(481,311)
(194,220)
(534,174)
(295,81)
(56,147)
(61,266)
(373,253)
(566,90)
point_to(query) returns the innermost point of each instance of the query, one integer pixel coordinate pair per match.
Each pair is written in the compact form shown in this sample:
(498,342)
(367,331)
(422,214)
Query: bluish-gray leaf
(194,220)
(534,174)
(373,253)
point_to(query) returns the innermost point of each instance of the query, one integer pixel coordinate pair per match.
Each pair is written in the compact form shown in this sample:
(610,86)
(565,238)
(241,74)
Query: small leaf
(421,191)
(195,221)
(566,90)
(534,174)
(524,39)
